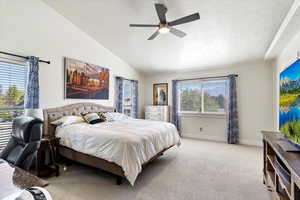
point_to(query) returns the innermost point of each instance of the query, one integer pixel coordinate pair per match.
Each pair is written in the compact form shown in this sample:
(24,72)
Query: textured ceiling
(229,31)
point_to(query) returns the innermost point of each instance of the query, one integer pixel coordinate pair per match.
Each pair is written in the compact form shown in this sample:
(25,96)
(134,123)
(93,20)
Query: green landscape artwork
(289,113)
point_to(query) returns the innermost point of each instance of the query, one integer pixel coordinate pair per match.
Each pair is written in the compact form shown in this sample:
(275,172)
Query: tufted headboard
(52,114)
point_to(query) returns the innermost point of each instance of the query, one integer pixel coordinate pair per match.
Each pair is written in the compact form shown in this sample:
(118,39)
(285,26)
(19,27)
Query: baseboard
(257,143)
(204,137)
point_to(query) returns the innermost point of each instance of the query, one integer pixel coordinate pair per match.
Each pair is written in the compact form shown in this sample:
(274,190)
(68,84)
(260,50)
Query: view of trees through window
(12,90)
(202,96)
(127,99)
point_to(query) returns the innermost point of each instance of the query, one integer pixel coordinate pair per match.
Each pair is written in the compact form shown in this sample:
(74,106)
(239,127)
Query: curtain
(32,87)
(119,94)
(232,114)
(175,115)
(135,98)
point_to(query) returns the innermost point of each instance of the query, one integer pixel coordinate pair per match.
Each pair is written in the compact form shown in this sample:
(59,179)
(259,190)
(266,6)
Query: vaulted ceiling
(229,31)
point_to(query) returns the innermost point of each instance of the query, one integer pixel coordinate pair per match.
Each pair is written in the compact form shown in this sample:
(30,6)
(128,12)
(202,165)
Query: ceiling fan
(164,26)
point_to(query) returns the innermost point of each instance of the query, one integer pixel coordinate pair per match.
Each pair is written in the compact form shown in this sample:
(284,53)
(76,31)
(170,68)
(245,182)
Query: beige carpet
(199,170)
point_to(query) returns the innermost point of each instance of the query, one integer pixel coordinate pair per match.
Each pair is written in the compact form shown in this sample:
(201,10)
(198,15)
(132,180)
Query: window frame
(202,112)
(5,126)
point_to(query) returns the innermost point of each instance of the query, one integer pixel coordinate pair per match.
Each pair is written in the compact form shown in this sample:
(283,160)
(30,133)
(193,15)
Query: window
(202,96)
(12,90)
(128,97)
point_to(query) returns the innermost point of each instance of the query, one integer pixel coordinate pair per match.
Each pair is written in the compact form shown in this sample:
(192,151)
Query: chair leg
(119,180)
(53,160)
(56,169)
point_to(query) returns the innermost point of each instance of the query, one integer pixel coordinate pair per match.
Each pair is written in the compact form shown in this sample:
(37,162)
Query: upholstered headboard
(52,114)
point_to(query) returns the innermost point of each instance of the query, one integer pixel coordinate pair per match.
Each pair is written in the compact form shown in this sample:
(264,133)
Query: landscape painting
(85,81)
(289,114)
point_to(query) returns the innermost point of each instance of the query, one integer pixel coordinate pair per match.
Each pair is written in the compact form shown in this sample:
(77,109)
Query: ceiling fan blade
(185,19)
(177,32)
(161,10)
(143,25)
(154,35)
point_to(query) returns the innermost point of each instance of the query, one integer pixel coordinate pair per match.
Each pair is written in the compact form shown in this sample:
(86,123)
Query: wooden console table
(282,188)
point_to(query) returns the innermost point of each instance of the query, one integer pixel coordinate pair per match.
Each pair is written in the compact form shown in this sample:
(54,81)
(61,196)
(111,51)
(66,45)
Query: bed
(120,147)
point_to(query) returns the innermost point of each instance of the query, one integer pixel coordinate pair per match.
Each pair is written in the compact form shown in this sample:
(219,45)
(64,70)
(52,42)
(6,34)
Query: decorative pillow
(102,116)
(91,118)
(115,116)
(67,120)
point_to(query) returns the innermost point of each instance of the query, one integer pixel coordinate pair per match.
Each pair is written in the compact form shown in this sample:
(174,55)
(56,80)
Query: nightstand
(46,158)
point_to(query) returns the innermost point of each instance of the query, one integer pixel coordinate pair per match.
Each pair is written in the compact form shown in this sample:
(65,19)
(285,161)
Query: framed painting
(85,81)
(289,107)
(160,94)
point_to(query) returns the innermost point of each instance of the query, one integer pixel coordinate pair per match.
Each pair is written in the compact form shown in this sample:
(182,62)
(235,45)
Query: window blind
(13,78)
(5,130)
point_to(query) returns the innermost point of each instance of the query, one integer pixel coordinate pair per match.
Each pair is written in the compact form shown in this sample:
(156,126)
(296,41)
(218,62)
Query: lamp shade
(38,113)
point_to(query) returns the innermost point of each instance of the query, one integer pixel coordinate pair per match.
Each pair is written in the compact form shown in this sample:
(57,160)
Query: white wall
(255,97)
(286,57)
(32,28)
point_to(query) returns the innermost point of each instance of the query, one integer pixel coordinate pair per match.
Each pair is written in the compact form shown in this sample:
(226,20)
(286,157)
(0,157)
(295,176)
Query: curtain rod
(212,77)
(19,56)
(126,78)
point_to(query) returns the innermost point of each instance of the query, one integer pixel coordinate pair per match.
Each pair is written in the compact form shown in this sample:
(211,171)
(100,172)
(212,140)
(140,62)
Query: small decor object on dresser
(85,81)
(157,113)
(160,94)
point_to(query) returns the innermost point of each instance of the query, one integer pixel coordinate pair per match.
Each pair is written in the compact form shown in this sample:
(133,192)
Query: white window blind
(5,130)
(13,78)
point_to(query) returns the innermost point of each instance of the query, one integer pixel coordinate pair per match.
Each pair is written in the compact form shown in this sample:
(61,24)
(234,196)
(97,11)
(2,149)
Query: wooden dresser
(281,169)
(158,113)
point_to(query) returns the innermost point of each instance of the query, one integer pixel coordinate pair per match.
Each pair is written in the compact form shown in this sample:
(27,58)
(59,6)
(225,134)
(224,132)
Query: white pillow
(115,116)
(67,120)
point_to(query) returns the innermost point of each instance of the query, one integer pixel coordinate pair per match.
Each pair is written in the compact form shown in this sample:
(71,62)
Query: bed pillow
(92,118)
(115,116)
(67,120)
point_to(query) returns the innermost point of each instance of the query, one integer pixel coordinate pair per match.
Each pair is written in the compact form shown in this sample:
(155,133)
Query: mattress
(129,143)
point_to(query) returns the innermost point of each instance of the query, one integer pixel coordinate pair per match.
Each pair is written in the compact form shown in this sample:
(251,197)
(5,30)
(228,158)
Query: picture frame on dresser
(160,94)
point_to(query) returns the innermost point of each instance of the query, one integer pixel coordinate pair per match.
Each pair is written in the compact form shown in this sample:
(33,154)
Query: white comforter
(128,143)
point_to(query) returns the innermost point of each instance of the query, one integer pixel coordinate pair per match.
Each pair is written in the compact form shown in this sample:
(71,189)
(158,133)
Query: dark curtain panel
(32,88)
(175,115)
(232,113)
(135,100)
(119,94)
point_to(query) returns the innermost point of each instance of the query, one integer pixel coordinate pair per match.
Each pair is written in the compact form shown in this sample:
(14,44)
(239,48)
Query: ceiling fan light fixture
(164,30)
(164,26)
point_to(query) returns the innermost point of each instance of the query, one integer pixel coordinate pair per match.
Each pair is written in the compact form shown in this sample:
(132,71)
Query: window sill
(203,115)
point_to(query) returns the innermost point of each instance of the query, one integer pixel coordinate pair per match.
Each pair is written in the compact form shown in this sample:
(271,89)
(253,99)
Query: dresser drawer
(159,113)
